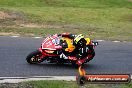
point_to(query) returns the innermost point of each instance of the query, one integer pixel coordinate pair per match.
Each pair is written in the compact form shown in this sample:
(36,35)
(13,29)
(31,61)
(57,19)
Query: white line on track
(35,78)
(21,79)
(99,40)
(42,37)
(116,41)
(37,37)
(14,36)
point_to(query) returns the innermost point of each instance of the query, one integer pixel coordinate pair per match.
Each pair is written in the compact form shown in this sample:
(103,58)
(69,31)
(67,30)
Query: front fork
(81,61)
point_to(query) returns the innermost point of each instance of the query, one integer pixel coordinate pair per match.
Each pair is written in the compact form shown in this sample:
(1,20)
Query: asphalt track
(111,57)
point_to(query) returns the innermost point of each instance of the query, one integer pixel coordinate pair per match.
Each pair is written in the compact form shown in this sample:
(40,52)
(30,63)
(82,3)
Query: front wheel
(93,54)
(34,57)
(74,64)
(81,80)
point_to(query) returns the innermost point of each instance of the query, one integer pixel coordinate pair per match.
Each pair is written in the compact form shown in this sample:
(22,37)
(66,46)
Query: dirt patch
(33,25)
(18,19)
(7,34)
(56,26)
(11,15)
(9,18)
(17,34)
(4,15)
(127,18)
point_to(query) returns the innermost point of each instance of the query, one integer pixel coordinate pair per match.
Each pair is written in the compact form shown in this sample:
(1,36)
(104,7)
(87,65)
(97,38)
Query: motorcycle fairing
(51,43)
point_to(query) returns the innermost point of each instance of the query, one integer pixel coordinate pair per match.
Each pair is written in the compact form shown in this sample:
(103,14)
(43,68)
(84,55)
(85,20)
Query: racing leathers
(80,46)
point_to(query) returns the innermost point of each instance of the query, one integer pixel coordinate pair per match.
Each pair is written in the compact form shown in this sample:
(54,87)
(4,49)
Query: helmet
(78,38)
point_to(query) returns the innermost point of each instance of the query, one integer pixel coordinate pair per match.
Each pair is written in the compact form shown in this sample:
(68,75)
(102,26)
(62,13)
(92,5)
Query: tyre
(93,54)
(34,57)
(81,80)
(75,65)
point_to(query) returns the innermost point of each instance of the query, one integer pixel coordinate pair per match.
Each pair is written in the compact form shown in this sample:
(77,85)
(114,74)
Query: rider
(79,42)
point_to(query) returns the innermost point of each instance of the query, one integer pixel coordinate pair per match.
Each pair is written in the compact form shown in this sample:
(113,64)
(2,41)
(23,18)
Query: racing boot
(63,56)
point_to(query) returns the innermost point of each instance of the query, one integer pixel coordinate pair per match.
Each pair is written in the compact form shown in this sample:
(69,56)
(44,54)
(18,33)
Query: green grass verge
(46,31)
(61,84)
(71,84)
(66,3)
(103,19)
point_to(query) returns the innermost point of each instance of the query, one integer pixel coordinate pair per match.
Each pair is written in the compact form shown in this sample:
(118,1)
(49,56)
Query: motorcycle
(52,47)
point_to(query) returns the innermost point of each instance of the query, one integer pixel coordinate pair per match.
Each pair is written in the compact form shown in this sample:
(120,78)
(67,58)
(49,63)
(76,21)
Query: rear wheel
(34,57)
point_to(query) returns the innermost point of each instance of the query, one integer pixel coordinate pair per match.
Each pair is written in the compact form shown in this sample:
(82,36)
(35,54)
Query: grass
(101,19)
(66,3)
(62,84)
(53,84)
